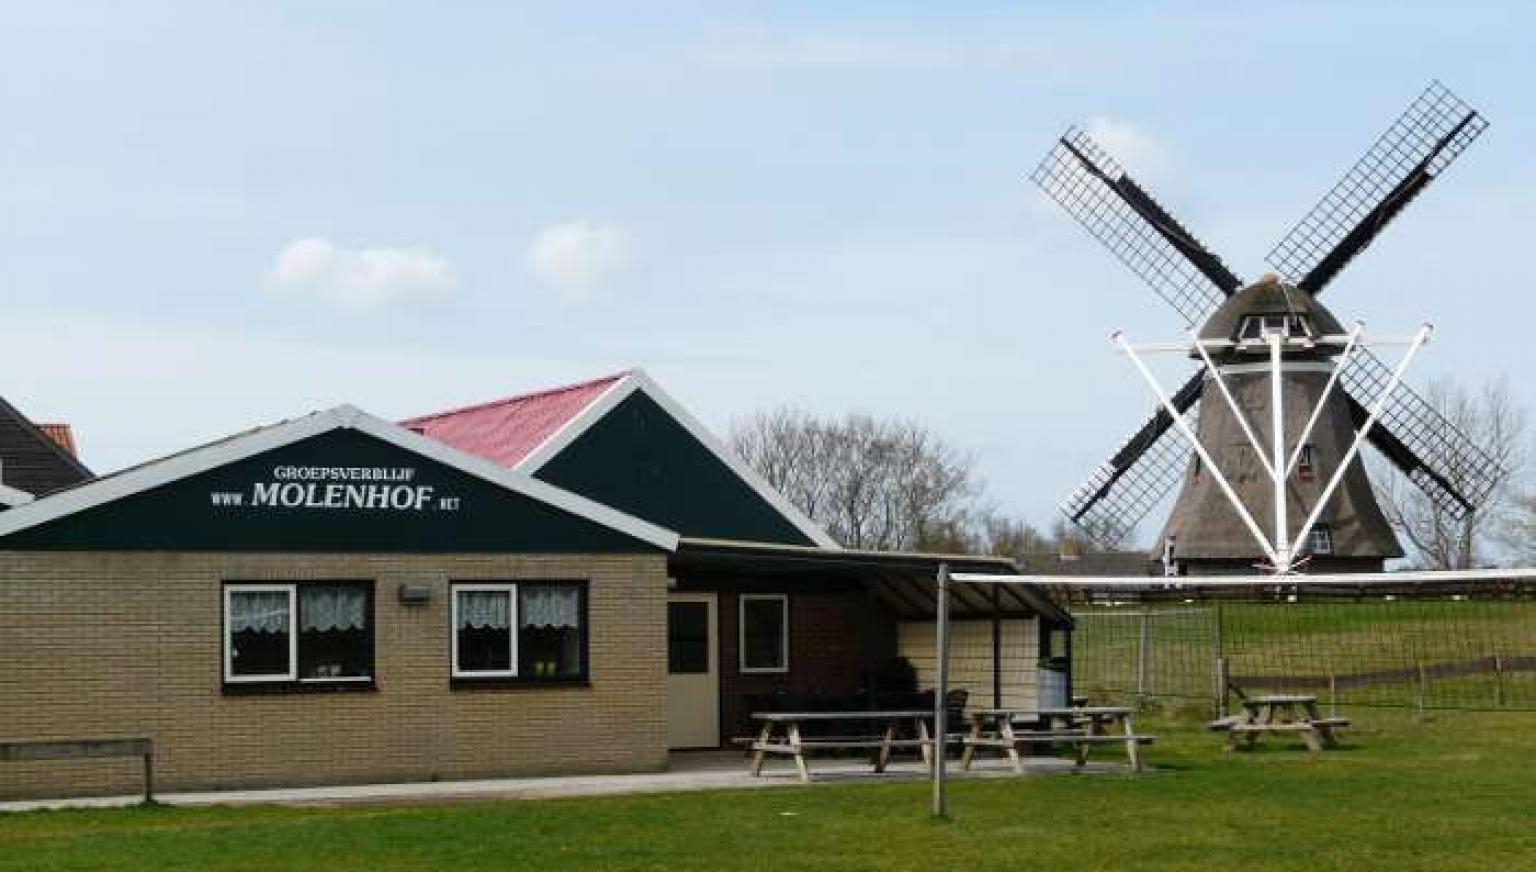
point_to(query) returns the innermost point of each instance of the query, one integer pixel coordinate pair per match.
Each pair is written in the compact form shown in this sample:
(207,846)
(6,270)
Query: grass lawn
(1456,793)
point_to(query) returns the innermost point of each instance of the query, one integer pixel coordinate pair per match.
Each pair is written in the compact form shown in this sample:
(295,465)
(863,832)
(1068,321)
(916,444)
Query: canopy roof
(906,582)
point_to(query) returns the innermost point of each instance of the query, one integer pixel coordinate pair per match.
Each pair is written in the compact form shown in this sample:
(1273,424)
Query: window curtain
(551,606)
(484,609)
(260,611)
(333,608)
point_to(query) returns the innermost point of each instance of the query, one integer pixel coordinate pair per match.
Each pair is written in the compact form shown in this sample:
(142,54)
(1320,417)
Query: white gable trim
(13,496)
(638,380)
(236,448)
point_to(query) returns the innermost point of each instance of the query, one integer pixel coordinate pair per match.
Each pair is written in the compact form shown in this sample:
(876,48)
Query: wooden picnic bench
(781,734)
(1279,713)
(1082,727)
(78,749)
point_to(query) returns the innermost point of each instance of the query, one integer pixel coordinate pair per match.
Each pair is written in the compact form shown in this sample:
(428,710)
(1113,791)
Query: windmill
(1245,337)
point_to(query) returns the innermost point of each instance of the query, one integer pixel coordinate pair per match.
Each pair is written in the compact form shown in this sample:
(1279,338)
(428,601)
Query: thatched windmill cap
(1268,296)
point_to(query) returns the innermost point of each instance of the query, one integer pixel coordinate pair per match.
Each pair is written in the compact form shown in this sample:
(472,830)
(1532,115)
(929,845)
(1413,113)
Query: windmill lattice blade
(1095,190)
(1120,493)
(1416,148)
(1450,468)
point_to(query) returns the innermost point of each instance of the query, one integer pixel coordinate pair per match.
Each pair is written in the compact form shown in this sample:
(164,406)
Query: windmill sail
(1434,131)
(1449,467)
(1120,493)
(1096,191)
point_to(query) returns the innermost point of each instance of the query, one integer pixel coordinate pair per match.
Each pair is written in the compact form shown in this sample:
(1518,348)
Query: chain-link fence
(1453,648)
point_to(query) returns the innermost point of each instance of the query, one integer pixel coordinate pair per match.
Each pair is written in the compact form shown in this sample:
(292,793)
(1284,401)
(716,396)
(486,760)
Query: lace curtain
(551,606)
(541,606)
(261,611)
(484,609)
(332,608)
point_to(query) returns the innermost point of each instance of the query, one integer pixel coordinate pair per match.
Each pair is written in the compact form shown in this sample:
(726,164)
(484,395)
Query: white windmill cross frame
(1281,549)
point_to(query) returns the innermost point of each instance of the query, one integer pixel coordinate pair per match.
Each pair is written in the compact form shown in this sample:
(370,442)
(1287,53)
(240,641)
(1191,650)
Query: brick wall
(833,638)
(127,644)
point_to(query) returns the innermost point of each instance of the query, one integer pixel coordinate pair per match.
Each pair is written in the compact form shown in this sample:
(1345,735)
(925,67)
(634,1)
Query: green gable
(340,490)
(640,460)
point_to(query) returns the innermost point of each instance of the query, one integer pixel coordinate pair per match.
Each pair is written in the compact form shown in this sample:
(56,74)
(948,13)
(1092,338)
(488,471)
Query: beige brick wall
(128,643)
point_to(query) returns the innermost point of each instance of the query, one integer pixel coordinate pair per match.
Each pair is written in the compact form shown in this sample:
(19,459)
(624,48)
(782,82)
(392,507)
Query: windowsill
(513,682)
(258,688)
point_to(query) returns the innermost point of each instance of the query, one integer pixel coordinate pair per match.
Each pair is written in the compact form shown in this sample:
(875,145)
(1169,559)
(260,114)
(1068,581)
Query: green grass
(1452,794)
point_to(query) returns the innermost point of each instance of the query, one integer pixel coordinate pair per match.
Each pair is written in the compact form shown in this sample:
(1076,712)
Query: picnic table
(1280,713)
(1079,726)
(781,735)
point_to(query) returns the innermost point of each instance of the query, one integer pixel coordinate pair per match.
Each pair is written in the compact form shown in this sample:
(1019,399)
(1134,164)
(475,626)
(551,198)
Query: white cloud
(577,256)
(1137,150)
(368,276)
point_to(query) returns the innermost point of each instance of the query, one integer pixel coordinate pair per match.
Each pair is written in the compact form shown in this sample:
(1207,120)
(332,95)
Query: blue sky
(215,215)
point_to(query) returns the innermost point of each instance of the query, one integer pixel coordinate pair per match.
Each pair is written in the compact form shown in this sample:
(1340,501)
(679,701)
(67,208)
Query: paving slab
(686,772)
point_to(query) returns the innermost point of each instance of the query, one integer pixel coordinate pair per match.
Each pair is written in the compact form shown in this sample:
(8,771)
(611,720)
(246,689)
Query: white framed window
(484,645)
(762,627)
(312,632)
(1320,539)
(1258,326)
(529,631)
(259,639)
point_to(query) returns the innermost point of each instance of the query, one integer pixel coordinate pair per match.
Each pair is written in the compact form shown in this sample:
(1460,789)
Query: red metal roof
(61,434)
(506,431)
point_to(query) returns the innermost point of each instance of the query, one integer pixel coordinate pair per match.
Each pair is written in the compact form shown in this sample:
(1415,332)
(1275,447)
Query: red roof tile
(506,431)
(61,434)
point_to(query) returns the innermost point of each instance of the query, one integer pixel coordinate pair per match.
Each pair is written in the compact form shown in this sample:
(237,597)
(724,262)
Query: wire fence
(1471,647)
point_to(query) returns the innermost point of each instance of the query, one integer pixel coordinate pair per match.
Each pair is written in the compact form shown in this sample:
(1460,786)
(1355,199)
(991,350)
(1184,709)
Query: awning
(906,582)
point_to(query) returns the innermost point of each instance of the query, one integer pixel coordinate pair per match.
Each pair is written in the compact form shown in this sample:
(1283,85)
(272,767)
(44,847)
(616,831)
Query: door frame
(712,600)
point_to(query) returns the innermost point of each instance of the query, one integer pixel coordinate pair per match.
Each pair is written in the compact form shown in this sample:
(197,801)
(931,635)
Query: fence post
(1219,658)
(1221,687)
(1143,654)
(1423,680)
(1333,694)
(1498,681)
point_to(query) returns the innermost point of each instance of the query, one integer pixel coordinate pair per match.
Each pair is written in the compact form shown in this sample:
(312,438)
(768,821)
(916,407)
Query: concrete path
(689,771)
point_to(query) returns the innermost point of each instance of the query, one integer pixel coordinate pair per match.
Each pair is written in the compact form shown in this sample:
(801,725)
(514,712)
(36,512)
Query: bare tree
(1491,418)
(882,484)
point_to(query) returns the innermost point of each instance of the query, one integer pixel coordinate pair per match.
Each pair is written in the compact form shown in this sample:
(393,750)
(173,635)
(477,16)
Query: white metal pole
(1333,379)
(941,694)
(1354,446)
(1277,447)
(1237,411)
(1205,457)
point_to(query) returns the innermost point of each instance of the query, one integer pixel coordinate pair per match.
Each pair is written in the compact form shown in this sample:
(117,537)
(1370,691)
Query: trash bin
(1053,682)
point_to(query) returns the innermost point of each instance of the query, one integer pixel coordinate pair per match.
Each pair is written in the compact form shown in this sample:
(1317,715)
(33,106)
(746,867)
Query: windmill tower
(1314,372)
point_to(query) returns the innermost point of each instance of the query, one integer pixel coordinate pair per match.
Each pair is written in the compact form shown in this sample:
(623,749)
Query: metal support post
(941,695)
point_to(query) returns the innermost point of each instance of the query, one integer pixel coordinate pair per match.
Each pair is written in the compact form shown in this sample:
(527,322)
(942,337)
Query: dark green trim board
(339,491)
(640,460)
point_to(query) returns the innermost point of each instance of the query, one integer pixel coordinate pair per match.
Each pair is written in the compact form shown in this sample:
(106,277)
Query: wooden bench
(1279,713)
(80,749)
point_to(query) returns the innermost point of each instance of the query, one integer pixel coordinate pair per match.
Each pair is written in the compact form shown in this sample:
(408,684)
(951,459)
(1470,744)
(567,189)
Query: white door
(693,671)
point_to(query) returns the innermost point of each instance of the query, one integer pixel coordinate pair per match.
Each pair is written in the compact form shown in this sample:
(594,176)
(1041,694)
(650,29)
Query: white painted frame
(741,633)
(188,463)
(230,591)
(513,618)
(637,380)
